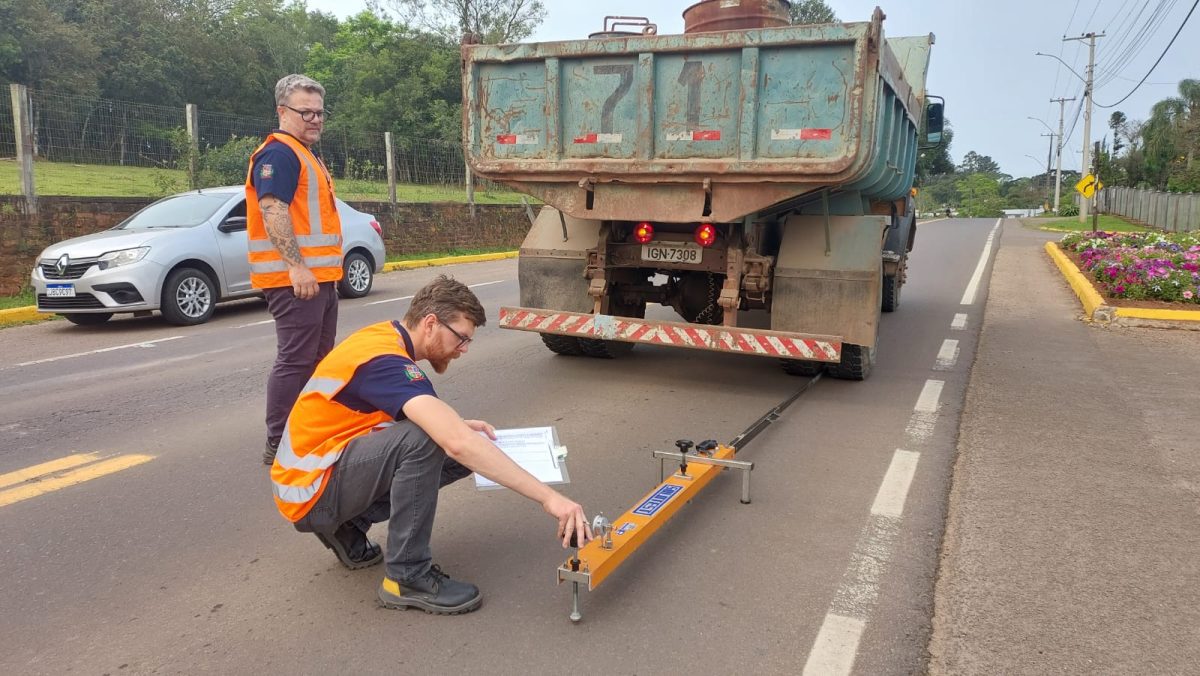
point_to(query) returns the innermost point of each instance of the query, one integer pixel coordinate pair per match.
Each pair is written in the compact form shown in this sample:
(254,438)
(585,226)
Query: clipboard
(537,450)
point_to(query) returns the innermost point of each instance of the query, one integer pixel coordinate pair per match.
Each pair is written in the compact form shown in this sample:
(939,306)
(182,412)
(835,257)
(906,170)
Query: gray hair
(290,83)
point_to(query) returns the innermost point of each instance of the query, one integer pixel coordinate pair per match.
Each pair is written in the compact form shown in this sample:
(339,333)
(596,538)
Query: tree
(491,21)
(812,11)
(974,163)
(981,196)
(39,47)
(1117,122)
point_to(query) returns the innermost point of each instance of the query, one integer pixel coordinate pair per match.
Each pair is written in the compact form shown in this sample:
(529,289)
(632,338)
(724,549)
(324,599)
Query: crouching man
(369,441)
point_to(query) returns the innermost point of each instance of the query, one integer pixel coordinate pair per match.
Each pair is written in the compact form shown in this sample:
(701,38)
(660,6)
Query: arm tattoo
(279,229)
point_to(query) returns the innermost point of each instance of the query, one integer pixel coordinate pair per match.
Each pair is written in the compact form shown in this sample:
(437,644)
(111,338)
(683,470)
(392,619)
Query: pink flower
(1188,295)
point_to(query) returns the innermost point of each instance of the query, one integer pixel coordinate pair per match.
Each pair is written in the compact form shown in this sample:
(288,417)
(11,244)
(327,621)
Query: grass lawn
(90,180)
(1106,222)
(25,298)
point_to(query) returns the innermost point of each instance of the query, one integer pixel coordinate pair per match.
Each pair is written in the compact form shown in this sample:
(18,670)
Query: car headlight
(115,259)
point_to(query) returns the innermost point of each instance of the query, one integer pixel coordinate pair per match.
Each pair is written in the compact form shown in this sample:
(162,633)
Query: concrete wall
(410,228)
(1173,212)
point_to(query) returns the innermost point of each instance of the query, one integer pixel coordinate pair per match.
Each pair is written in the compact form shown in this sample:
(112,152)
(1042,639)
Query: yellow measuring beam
(635,526)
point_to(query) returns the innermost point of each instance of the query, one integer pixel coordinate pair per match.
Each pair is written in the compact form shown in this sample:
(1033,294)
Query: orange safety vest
(314,219)
(319,428)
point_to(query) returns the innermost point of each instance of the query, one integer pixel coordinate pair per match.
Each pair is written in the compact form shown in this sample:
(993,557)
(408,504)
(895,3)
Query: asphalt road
(178,563)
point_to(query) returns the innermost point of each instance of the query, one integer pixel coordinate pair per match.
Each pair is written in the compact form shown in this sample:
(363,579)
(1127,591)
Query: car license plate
(60,290)
(672,252)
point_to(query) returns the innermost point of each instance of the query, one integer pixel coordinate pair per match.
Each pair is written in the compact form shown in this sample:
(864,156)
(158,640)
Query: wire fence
(94,131)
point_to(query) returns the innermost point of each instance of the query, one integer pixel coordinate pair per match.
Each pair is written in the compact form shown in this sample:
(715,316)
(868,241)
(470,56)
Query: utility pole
(1096,212)
(1058,170)
(1049,157)
(1087,113)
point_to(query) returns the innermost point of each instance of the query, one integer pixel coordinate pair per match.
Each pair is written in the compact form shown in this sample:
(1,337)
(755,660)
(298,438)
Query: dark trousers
(305,331)
(390,475)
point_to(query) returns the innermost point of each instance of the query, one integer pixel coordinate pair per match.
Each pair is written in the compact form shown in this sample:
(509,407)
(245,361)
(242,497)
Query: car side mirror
(934,120)
(233,224)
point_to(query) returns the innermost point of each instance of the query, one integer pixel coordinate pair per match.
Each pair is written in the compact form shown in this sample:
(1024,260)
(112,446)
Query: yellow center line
(23,475)
(71,478)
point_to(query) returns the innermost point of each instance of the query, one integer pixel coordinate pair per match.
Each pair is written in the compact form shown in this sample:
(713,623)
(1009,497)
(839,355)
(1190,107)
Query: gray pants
(305,331)
(391,475)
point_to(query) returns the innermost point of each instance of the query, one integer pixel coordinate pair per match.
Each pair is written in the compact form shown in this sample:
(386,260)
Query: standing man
(295,240)
(369,441)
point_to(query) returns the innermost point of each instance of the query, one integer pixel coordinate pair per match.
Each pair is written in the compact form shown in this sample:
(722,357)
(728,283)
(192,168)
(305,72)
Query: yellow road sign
(1088,185)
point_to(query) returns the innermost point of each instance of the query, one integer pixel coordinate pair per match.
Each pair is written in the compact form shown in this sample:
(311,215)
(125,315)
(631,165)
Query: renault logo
(60,266)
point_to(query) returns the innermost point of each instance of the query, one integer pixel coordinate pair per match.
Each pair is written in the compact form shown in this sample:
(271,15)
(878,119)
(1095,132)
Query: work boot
(352,547)
(269,452)
(434,592)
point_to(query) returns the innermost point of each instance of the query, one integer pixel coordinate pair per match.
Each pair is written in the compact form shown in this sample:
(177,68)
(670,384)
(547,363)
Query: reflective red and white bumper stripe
(759,342)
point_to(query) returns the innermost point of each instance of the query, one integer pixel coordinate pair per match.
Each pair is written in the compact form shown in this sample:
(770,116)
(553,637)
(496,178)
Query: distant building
(1022,213)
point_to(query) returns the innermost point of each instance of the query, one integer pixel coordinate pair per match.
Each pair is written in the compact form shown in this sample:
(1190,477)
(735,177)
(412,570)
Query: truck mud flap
(553,259)
(758,342)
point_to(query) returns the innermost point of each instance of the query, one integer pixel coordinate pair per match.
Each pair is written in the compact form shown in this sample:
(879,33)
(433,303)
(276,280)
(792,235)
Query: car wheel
(188,297)
(88,319)
(357,276)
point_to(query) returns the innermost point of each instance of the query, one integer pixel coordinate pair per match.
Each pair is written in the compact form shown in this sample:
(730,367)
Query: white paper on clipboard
(536,450)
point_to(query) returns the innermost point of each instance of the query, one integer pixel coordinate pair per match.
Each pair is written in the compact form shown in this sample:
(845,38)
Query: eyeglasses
(463,341)
(308,115)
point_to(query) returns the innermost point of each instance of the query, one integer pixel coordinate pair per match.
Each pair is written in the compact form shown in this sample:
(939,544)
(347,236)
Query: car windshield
(177,211)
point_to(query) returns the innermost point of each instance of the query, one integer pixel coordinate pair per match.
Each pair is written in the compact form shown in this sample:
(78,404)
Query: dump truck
(754,176)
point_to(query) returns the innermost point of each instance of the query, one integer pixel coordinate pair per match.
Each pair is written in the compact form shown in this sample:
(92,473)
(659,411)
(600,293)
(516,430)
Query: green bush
(226,164)
(1068,210)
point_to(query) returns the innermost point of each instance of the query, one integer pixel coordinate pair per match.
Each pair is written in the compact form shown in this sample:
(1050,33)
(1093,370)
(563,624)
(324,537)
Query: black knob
(575,540)
(708,445)
(683,445)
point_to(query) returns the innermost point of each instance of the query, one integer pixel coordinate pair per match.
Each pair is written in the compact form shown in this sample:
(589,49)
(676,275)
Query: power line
(1160,58)
(1138,41)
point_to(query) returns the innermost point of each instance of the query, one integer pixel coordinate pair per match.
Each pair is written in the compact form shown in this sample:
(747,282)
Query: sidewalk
(1073,534)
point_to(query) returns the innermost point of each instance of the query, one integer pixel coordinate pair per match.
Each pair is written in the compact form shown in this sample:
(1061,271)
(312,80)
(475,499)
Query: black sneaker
(269,452)
(352,547)
(434,592)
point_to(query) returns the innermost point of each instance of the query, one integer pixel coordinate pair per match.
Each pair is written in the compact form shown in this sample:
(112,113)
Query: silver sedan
(181,255)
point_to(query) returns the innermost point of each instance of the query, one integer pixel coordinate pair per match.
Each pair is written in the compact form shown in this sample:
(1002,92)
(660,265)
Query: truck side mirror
(934,121)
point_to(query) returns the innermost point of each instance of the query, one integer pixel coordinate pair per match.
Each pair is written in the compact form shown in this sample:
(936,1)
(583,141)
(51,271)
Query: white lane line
(969,295)
(960,322)
(265,321)
(925,414)
(149,343)
(947,356)
(928,401)
(889,501)
(476,286)
(388,300)
(835,647)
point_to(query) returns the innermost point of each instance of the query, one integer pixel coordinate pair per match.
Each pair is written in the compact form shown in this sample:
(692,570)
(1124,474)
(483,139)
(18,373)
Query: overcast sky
(984,60)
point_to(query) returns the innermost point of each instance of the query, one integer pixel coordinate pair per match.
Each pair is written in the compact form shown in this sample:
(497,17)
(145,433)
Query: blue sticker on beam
(655,502)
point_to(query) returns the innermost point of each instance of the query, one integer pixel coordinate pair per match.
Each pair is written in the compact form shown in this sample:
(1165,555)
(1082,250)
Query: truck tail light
(705,235)
(643,233)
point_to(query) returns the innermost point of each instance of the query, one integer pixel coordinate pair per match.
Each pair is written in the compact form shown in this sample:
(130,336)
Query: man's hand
(571,519)
(304,282)
(481,426)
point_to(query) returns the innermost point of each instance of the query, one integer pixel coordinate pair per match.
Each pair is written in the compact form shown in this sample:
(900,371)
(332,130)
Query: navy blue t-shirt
(386,383)
(276,171)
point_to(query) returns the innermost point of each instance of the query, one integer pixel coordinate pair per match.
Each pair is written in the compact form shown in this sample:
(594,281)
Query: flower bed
(1139,266)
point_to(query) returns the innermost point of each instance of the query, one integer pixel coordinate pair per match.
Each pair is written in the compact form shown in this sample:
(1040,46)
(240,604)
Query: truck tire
(856,363)
(567,346)
(604,349)
(800,367)
(891,293)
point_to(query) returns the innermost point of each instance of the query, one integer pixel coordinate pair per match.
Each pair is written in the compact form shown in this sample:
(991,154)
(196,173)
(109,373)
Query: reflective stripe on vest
(319,428)
(314,217)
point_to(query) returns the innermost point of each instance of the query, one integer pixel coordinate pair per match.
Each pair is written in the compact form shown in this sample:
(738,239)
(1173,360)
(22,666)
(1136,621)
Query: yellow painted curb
(1083,288)
(448,260)
(22,314)
(1091,298)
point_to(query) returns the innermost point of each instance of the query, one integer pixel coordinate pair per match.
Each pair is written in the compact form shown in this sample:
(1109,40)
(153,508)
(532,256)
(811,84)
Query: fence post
(193,132)
(470,180)
(23,132)
(391,167)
